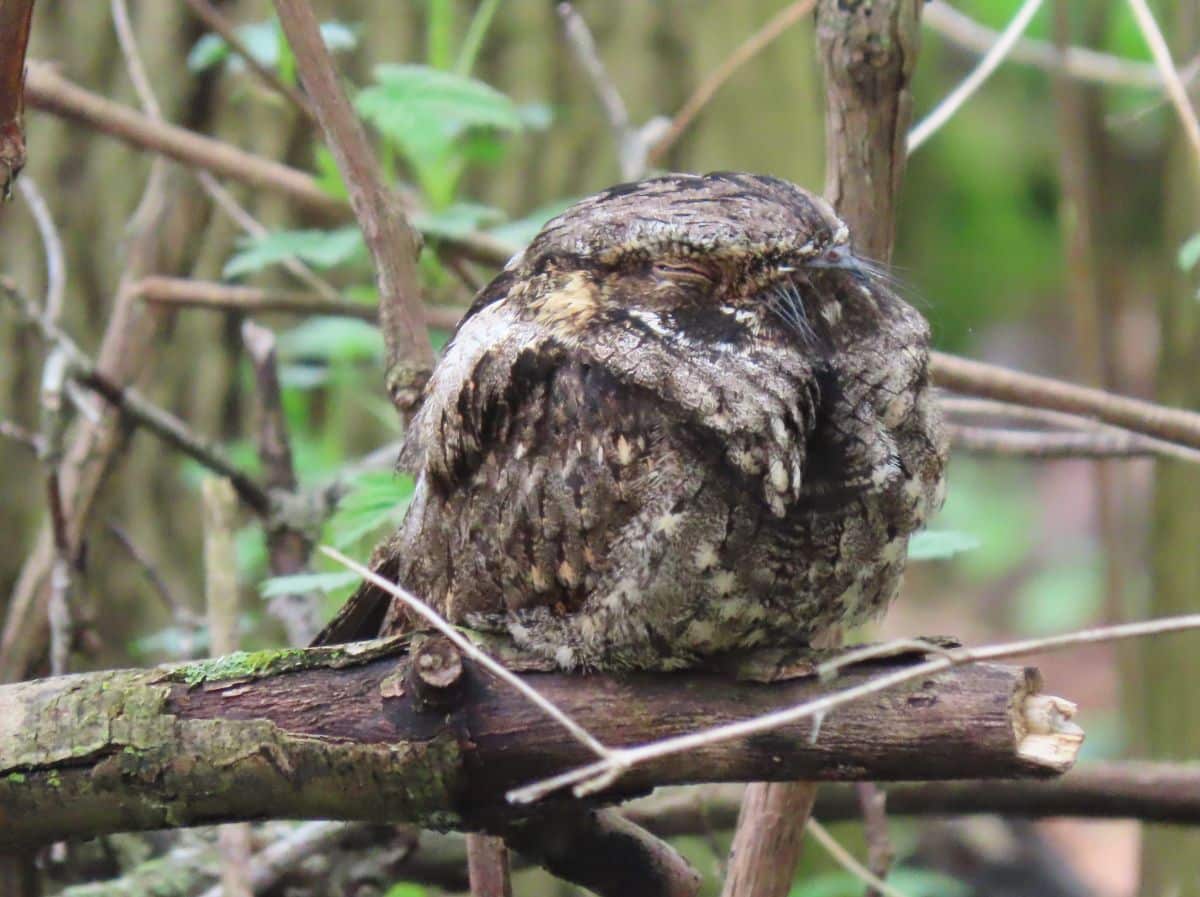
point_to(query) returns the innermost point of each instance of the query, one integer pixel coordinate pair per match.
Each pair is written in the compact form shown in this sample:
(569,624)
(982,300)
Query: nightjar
(685,420)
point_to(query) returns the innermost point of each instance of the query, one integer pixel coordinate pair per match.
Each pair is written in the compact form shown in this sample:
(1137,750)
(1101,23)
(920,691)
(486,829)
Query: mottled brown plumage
(685,420)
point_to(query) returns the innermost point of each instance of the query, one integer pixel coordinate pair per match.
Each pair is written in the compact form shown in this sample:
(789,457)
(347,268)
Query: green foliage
(936,545)
(375,503)
(439,121)
(321,249)
(1189,253)
(265,42)
(406,889)
(298,583)
(911,882)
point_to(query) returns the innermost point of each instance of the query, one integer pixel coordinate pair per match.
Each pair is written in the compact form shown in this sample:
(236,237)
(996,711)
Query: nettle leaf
(262,40)
(935,545)
(319,248)
(330,339)
(375,500)
(456,220)
(424,112)
(1189,253)
(300,583)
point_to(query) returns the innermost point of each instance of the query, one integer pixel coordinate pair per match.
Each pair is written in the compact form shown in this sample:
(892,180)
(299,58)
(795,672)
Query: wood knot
(435,674)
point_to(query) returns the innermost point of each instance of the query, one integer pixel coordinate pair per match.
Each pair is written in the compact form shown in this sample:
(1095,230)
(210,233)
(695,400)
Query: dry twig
(1170,75)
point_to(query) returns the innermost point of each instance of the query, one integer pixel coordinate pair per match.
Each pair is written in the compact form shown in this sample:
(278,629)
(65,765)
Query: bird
(687,420)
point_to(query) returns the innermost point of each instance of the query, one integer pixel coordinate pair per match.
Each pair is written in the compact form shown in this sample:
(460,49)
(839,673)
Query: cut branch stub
(435,674)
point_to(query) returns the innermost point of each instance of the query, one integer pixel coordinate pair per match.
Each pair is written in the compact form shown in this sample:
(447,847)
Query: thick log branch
(335,733)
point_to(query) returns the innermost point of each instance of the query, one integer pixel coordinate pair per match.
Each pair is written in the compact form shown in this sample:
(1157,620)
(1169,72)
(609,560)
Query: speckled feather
(685,420)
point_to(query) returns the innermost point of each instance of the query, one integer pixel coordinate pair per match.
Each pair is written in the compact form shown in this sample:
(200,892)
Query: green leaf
(518,233)
(456,220)
(935,545)
(424,112)
(405,889)
(910,882)
(375,500)
(262,41)
(300,583)
(1189,253)
(207,52)
(331,339)
(319,248)
(536,116)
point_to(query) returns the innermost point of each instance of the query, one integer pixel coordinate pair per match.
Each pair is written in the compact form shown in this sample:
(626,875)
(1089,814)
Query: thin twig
(1047,446)
(1170,75)
(189,293)
(19,434)
(180,612)
(747,50)
(393,243)
(412,602)
(211,17)
(136,408)
(926,128)
(56,266)
(1080,63)
(991,381)
(596,776)
(873,801)
(633,143)
(846,860)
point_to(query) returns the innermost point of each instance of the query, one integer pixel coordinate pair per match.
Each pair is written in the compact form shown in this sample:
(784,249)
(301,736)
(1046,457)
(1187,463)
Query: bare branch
(212,18)
(188,293)
(990,62)
(1081,63)
(1050,717)
(634,144)
(56,266)
(1170,75)
(994,382)
(219,740)
(847,861)
(393,243)
(15,19)
(747,50)
(131,404)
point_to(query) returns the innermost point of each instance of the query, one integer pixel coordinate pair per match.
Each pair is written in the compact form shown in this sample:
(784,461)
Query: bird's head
(717,258)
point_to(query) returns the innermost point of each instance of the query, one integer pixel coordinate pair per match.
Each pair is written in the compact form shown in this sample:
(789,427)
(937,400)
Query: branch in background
(1045,446)
(221,740)
(971,408)
(747,50)
(52,246)
(16,16)
(289,541)
(1176,91)
(393,243)
(873,802)
(133,406)
(178,608)
(991,60)
(185,292)
(222,609)
(214,21)
(994,382)
(634,145)
(1080,63)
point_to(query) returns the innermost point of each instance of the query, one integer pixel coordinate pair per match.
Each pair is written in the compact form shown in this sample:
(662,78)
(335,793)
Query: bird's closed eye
(682,271)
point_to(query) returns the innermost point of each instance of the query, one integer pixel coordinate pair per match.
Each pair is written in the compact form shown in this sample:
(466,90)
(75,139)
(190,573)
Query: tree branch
(16,17)
(226,739)
(393,243)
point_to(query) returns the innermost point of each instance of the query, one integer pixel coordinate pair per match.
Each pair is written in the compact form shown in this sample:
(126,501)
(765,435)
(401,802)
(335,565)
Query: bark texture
(335,733)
